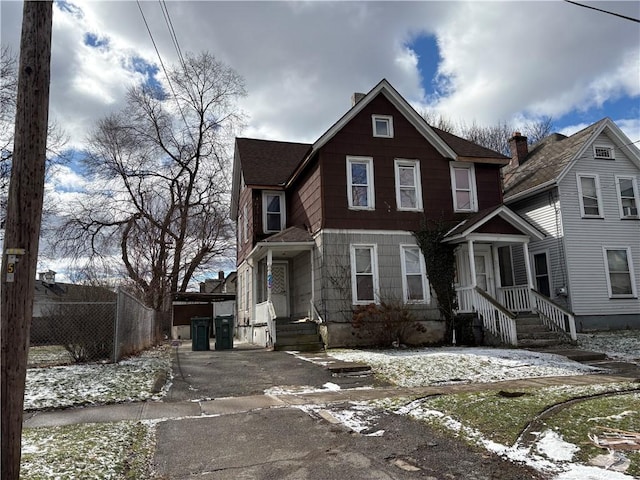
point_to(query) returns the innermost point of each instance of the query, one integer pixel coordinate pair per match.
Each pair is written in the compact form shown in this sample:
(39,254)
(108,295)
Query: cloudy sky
(469,61)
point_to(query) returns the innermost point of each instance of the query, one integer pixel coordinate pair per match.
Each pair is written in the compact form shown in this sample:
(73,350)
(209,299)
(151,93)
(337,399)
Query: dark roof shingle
(269,162)
(545,161)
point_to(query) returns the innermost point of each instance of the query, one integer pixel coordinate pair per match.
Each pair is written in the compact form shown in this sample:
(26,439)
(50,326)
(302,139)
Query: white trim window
(589,195)
(408,185)
(360,190)
(273,212)
(628,198)
(364,274)
(463,187)
(620,276)
(382,126)
(603,152)
(414,277)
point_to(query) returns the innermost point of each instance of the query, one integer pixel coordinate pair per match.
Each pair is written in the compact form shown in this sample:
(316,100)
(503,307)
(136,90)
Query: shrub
(386,324)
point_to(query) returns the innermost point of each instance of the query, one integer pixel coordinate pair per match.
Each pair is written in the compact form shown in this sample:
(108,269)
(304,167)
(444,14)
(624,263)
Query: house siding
(356,139)
(543,211)
(587,236)
(305,200)
(336,289)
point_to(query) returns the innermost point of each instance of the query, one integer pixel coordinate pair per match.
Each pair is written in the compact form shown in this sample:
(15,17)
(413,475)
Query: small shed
(186,305)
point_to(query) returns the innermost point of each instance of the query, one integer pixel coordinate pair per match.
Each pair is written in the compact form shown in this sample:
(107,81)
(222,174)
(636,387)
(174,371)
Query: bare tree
(56,137)
(496,137)
(161,174)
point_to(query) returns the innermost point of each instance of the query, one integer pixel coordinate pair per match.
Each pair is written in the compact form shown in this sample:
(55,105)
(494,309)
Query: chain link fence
(76,332)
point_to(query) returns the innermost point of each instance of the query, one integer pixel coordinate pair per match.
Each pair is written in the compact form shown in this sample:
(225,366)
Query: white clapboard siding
(586,237)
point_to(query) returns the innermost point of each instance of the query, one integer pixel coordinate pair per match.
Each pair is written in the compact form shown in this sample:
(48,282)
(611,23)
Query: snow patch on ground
(437,366)
(552,445)
(130,380)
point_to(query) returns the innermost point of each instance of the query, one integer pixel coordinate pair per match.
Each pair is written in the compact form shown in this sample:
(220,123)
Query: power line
(604,11)
(175,96)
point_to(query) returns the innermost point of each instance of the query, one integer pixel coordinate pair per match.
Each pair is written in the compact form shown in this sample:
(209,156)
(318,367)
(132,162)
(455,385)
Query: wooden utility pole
(22,229)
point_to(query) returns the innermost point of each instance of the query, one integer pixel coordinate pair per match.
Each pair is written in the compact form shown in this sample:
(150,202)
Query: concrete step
(536,343)
(575,354)
(313,346)
(302,327)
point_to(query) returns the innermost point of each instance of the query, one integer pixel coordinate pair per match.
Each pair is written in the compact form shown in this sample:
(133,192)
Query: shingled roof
(269,162)
(546,161)
(465,148)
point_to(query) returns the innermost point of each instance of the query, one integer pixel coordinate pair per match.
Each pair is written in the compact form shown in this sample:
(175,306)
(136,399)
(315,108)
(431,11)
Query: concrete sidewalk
(154,410)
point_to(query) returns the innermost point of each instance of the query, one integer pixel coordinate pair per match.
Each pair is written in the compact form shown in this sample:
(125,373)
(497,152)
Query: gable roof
(448,145)
(465,228)
(267,162)
(550,159)
(275,164)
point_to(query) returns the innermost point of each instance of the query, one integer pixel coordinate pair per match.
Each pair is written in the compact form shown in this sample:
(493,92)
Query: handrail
(266,311)
(555,315)
(495,318)
(315,314)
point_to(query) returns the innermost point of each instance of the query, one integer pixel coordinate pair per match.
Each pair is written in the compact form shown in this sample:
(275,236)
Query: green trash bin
(200,333)
(224,332)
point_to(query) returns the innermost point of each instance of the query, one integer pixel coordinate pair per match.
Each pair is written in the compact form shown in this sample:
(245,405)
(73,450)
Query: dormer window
(273,211)
(382,126)
(603,152)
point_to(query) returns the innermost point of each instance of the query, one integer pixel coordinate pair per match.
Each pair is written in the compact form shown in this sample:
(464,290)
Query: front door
(541,272)
(280,288)
(484,278)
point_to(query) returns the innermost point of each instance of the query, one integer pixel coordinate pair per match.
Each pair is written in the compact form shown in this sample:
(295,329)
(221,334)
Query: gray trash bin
(200,333)
(224,332)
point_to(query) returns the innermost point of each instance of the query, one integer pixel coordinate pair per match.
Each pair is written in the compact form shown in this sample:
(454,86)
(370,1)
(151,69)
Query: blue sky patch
(69,7)
(150,71)
(426,48)
(93,40)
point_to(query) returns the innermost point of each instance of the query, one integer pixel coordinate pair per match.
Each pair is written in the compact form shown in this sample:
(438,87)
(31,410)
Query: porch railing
(553,315)
(266,313)
(465,299)
(515,299)
(495,318)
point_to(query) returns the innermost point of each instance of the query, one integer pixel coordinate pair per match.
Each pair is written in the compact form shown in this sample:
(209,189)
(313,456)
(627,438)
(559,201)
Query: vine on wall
(440,262)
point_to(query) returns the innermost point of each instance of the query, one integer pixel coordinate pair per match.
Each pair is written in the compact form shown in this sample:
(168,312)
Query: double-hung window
(364,274)
(628,196)
(463,187)
(589,195)
(382,126)
(414,279)
(360,191)
(273,211)
(620,276)
(408,187)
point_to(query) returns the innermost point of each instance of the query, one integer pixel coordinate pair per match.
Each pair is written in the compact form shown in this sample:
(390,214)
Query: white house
(582,192)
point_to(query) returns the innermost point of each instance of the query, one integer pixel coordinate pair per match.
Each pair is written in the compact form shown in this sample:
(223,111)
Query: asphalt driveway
(247,370)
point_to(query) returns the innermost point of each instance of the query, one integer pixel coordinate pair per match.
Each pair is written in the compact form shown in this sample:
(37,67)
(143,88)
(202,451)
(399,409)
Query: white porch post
(496,273)
(472,264)
(269,274)
(527,266)
(313,289)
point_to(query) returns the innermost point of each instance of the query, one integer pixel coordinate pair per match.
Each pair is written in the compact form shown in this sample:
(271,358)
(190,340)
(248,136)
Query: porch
(495,280)
(283,315)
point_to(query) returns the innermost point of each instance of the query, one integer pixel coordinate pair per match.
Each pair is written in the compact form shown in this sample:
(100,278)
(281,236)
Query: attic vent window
(603,152)
(382,126)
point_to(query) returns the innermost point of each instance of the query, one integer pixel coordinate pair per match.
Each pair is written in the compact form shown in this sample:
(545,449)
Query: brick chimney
(221,275)
(356,97)
(519,149)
